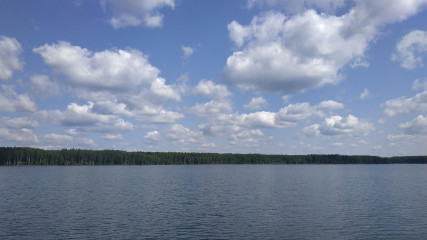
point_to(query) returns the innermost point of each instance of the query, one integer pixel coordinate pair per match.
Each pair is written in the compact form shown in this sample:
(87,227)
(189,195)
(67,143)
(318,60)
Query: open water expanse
(214,201)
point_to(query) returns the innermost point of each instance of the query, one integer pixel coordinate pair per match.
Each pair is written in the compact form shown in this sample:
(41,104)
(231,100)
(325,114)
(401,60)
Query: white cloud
(136,107)
(231,123)
(418,126)
(407,145)
(258,119)
(330,105)
(411,49)
(365,94)
(137,12)
(42,87)
(20,135)
(112,137)
(377,147)
(211,108)
(413,138)
(247,138)
(72,131)
(18,123)
(311,131)
(295,6)
(293,113)
(118,81)
(115,70)
(339,126)
(153,136)
(256,103)
(10,101)
(210,89)
(55,141)
(157,115)
(238,33)
(10,49)
(183,135)
(304,148)
(286,98)
(221,124)
(187,51)
(85,119)
(160,92)
(241,129)
(417,85)
(288,54)
(244,130)
(416,104)
(208,145)
(176,133)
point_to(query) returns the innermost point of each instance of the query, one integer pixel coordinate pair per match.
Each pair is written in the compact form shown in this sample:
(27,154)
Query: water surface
(214,201)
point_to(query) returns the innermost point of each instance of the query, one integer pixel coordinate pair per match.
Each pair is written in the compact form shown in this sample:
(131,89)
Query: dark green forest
(13,156)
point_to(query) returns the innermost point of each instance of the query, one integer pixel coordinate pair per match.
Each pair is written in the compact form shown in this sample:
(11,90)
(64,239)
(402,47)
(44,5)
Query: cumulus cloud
(17,130)
(183,135)
(340,126)
(417,126)
(377,147)
(417,85)
(85,119)
(239,127)
(118,81)
(330,105)
(416,104)
(153,136)
(20,135)
(176,133)
(41,86)
(11,102)
(210,89)
(227,123)
(18,123)
(288,54)
(414,135)
(160,116)
(293,113)
(256,103)
(136,12)
(247,138)
(258,120)
(59,139)
(55,141)
(295,6)
(112,137)
(411,49)
(10,49)
(211,108)
(116,70)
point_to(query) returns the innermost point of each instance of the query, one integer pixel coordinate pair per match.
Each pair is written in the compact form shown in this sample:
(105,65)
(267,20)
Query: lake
(214,201)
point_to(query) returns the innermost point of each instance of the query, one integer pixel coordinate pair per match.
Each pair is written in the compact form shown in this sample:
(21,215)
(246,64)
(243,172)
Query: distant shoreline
(26,156)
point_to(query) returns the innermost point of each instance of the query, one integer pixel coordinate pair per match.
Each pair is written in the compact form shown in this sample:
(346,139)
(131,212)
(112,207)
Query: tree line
(14,156)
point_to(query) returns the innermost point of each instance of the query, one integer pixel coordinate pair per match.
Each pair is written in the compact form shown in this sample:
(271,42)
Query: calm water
(214,201)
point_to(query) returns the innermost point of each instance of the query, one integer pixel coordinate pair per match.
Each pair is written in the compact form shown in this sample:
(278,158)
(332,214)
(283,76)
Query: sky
(241,76)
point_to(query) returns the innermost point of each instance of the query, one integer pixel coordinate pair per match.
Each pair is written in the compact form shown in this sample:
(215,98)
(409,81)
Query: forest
(21,156)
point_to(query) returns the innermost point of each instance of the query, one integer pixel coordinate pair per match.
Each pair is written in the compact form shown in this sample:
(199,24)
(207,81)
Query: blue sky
(252,76)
